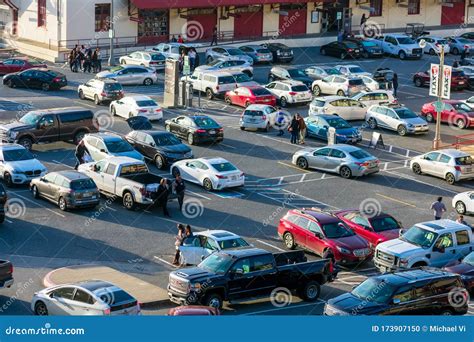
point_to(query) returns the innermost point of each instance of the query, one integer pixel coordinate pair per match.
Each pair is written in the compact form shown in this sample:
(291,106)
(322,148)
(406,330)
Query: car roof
(289,82)
(242,252)
(258,106)
(93,285)
(214,160)
(348,66)
(139,97)
(154,132)
(71,175)
(414,275)
(330,98)
(219,235)
(441,226)
(106,136)
(123,160)
(343,147)
(104,80)
(329,116)
(452,152)
(320,216)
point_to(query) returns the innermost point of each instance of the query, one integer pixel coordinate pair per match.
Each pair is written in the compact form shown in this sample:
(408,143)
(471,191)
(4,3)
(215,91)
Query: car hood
(351,242)
(350,304)
(415,121)
(26,165)
(131,154)
(398,247)
(180,148)
(460,268)
(390,234)
(194,274)
(105,74)
(410,46)
(16,126)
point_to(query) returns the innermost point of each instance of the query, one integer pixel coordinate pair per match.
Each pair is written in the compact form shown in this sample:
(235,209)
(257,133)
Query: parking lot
(39,237)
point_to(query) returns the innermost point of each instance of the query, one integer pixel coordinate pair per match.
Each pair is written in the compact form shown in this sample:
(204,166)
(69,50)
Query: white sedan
(88,298)
(202,244)
(211,173)
(141,105)
(464,202)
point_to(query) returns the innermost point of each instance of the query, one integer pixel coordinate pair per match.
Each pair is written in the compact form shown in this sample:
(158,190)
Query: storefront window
(376,6)
(153,24)
(413,6)
(102,17)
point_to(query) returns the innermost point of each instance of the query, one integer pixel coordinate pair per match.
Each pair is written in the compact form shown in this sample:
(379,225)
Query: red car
(376,229)
(245,96)
(324,234)
(458,79)
(194,310)
(454,112)
(16,64)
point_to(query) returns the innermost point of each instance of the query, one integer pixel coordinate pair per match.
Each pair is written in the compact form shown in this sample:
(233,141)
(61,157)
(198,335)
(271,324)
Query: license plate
(356,50)
(234,178)
(88,194)
(212,132)
(461,82)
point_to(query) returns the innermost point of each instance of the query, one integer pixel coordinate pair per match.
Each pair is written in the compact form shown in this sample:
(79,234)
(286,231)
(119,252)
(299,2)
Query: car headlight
(13,134)
(403,262)
(410,125)
(343,250)
(278,52)
(195,286)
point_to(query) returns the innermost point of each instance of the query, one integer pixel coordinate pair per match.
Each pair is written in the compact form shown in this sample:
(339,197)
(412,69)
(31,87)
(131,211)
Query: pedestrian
(363,20)
(96,60)
(438,208)
(464,53)
(82,54)
(214,36)
(77,62)
(179,189)
(181,61)
(188,231)
(196,60)
(81,151)
(461,220)
(192,58)
(281,119)
(71,58)
(395,84)
(173,39)
(340,36)
(163,193)
(178,243)
(294,130)
(302,128)
(180,39)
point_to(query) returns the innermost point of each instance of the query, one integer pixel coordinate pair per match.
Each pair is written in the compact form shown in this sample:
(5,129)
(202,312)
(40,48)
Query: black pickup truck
(6,274)
(247,274)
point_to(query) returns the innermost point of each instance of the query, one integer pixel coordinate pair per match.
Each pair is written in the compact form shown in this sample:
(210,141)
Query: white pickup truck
(433,243)
(399,45)
(126,178)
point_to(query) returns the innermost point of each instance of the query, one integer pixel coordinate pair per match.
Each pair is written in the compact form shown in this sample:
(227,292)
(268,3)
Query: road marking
(309,199)
(59,163)
(396,200)
(85,104)
(401,175)
(318,302)
(229,146)
(164,261)
(292,166)
(6,220)
(199,195)
(280,180)
(270,245)
(303,177)
(41,206)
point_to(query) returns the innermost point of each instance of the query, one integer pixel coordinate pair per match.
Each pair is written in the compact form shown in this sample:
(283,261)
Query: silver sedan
(130,75)
(348,161)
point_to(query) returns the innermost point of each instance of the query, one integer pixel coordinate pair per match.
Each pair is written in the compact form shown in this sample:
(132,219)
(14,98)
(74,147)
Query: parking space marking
(164,261)
(293,166)
(198,195)
(401,175)
(40,205)
(270,245)
(62,164)
(228,194)
(229,146)
(317,302)
(396,200)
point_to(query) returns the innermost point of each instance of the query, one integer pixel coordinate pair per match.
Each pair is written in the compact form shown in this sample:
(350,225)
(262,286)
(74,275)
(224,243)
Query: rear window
(133,169)
(157,57)
(113,86)
(240,78)
(253,113)
(146,103)
(260,91)
(206,122)
(464,160)
(226,80)
(113,297)
(360,154)
(442,42)
(223,167)
(318,103)
(351,45)
(263,51)
(457,73)
(301,87)
(356,82)
(82,184)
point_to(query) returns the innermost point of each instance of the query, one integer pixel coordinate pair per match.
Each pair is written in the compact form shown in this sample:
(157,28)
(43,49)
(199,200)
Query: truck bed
(6,274)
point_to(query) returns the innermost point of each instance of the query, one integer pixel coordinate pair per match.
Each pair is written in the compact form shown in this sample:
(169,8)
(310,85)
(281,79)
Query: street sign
(186,66)
(445,80)
(434,77)
(446,86)
(339,16)
(376,140)
(438,105)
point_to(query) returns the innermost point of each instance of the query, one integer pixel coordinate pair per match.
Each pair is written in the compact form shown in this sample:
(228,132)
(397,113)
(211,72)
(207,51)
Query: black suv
(50,125)
(421,291)
(280,52)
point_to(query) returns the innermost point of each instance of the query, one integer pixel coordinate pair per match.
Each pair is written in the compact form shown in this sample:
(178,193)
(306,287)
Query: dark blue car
(318,125)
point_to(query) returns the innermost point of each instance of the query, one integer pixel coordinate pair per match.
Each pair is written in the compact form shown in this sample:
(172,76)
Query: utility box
(171,83)
(189,94)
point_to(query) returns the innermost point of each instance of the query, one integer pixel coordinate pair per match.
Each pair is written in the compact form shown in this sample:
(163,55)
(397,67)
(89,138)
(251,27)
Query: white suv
(351,70)
(345,107)
(100,90)
(227,64)
(338,85)
(290,92)
(18,165)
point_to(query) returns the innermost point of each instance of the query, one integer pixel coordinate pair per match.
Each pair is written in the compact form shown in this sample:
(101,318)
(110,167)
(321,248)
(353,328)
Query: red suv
(454,112)
(324,234)
(379,228)
(458,79)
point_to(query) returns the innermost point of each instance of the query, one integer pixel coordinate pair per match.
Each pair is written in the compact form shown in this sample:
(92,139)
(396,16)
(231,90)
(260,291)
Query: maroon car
(194,310)
(465,269)
(17,64)
(324,234)
(459,80)
(454,112)
(374,228)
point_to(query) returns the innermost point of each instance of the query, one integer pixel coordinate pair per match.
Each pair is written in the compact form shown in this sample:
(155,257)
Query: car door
(28,79)
(463,243)
(91,145)
(193,250)
(83,304)
(61,302)
(392,119)
(147,144)
(443,250)
(46,184)
(88,89)
(319,159)
(56,187)
(335,159)
(326,85)
(381,117)
(123,76)
(175,126)
(47,129)
(95,174)
(315,238)
(428,163)
(447,114)
(361,227)
(108,178)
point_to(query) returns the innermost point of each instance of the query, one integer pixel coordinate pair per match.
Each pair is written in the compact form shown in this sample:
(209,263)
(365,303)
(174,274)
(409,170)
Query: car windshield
(405,40)
(369,44)
(166,140)
(113,296)
(233,243)
(419,237)
(34,62)
(30,118)
(118,146)
(296,73)
(17,154)
(146,103)
(260,92)
(356,69)
(356,82)
(442,42)
(235,52)
(331,71)
(240,78)
(381,224)
(467,160)
(360,154)
(351,45)
(336,230)
(462,107)
(338,123)
(263,51)
(253,113)
(218,263)
(405,113)
(215,62)
(223,167)
(113,86)
(83,184)
(469,259)
(318,103)
(301,87)
(374,290)
(115,69)
(205,122)
(157,57)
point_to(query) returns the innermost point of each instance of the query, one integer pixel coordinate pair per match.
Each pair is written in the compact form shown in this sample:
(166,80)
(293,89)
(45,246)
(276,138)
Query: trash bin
(189,94)
(182,94)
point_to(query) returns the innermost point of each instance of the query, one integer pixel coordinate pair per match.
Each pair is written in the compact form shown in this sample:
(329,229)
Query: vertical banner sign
(171,83)
(446,86)
(434,76)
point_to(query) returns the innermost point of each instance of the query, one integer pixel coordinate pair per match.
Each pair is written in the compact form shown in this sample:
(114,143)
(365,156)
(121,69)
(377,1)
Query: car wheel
(26,143)
(247,103)
(341,92)
(418,82)
(11,84)
(302,163)
(113,111)
(372,123)
(289,240)
(461,123)
(402,130)
(402,55)
(267,127)
(148,81)
(41,309)
(242,128)
(62,204)
(316,90)
(418,264)
(283,102)
(248,73)
(328,255)
(207,184)
(311,291)
(78,137)
(432,52)
(96,100)
(455,51)
(45,87)
(123,62)
(345,172)
(35,192)
(323,52)
(213,300)
(343,55)
(460,207)
(429,117)
(228,100)
(190,139)
(446,312)
(450,178)
(7,178)
(160,162)
(416,168)
(168,128)
(175,171)
(128,201)
(209,94)
(81,95)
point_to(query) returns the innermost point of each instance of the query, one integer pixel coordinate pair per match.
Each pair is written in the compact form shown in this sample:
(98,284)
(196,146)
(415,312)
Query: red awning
(161,4)
(10,4)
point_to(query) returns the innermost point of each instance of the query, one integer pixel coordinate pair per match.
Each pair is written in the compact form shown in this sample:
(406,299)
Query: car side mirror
(152,144)
(319,235)
(203,257)
(103,151)
(95,168)
(43,179)
(396,301)
(354,287)
(238,272)
(51,295)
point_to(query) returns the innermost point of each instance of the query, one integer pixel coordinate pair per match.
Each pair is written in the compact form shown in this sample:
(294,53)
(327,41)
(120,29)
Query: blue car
(318,125)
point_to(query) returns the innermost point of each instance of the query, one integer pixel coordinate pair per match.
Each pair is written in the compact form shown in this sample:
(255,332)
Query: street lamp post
(439,106)
(111,34)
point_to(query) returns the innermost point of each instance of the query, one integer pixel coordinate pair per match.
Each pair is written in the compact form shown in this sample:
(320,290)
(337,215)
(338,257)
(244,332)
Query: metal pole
(111,28)
(437,139)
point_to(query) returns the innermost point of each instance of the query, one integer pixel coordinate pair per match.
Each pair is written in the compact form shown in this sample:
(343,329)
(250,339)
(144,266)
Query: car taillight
(264,117)
(350,50)
(107,312)
(331,266)
(103,93)
(221,176)
(200,131)
(11,269)
(142,110)
(466,47)
(57,79)
(457,168)
(153,63)
(292,93)
(158,110)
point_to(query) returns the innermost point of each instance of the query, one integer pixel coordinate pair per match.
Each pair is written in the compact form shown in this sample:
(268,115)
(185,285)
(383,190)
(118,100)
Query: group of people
(85,59)
(439,209)
(193,56)
(297,129)
(184,232)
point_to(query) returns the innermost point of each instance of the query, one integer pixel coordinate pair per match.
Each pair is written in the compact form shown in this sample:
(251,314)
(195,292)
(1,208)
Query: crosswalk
(7,105)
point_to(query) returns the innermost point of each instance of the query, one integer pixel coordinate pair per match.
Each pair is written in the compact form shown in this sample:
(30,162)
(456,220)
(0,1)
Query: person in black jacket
(179,242)
(81,150)
(294,129)
(395,84)
(163,193)
(179,188)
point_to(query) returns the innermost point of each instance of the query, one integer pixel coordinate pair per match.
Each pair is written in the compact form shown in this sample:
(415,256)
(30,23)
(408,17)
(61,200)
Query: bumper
(293,99)
(284,58)
(109,98)
(348,140)
(83,203)
(172,159)
(7,283)
(384,267)
(24,179)
(259,125)
(418,131)
(263,59)
(183,299)
(376,54)
(208,138)
(230,184)
(364,171)
(346,259)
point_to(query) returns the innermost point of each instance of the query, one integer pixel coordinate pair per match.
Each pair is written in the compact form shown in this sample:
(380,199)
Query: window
(111,169)
(211,244)
(314,227)
(242,264)
(83,297)
(262,263)
(102,17)
(361,221)
(65,293)
(404,294)
(462,237)
(376,8)
(433,156)
(76,116)
(302,223)
(41,13)
(322,152)
(50,177)
(445,241)
(413,6)
(444,159)
(423,290)
(337,154)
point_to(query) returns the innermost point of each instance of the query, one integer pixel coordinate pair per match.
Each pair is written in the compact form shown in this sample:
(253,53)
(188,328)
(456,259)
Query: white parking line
(41,206)
(309,199)
(62,164)
(198,195)
(318,302)
(229,146)
(6,220)
(270,245)
(163,261)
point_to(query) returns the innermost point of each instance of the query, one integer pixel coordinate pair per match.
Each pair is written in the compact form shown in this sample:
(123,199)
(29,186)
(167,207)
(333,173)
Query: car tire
(402,130)
(78,137)
(45,87)
(316,90)
(418,264)
(402,55)
(41,309)
(311,291)
(247,103)
(345,172)
(323,52)
(248,73)
(81,95)
(7,179)
(11,84)
(213,300)
(418,82)
(461,123)
(26,143)
(340,92)
(283,102)
(342,55)
(209,94)
(455,51)
(450,179)
(429,117)
(446,312)
(207,184)
(432,52)
(62,204)
(123,62)
(128,201)
(416,168)
(190,139)
(460,207)
(267,127)
(113,111)
(228,100)
(160,162)
(289,240)
(35,191)
(96,100)
(242,128)
(302,163)
(147,82)
(372,123)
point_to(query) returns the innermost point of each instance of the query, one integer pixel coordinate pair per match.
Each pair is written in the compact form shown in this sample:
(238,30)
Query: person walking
(173,39)
(395,84)
(82,54)
(80,153)
(302,128)
(294,130)
(97,60)
(178,243)
(188,233)
(438,208)
(192,59)
(163,193)
(464,53)
(214,36)
(71,58)
(179,189)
